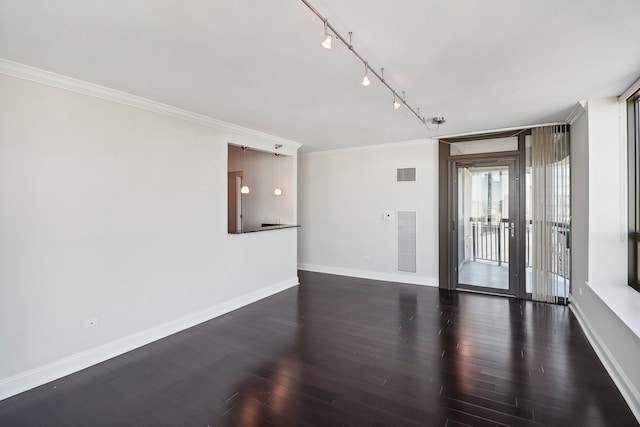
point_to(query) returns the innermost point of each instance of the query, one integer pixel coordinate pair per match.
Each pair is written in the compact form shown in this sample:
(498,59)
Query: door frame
(495,161)
(234,202)
(448,213)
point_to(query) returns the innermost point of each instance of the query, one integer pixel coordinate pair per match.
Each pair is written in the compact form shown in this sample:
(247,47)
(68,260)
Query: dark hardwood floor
(340,351)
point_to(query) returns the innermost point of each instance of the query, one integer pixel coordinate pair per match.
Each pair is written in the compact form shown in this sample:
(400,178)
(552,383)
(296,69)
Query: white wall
(605,306)
(114,212)
(579,140)
(607,195)
(342,198)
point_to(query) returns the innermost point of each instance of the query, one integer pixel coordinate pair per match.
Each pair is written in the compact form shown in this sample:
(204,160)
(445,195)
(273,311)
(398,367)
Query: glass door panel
(486,233)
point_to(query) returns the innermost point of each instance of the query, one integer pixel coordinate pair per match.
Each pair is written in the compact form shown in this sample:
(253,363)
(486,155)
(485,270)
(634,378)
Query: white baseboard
(52,371)
(627,389)
(409,278)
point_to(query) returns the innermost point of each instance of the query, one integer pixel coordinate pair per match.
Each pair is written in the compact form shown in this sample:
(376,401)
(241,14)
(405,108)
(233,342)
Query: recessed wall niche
(258,207)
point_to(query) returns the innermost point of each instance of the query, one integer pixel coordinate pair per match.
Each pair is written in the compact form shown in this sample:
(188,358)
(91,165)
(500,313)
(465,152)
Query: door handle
(512,227)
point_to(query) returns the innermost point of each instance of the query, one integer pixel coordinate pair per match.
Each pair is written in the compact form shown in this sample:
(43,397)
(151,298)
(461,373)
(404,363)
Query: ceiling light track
(328,29)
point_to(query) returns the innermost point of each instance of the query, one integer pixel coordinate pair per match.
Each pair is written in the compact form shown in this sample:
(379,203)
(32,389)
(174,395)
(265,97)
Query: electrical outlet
(91,322)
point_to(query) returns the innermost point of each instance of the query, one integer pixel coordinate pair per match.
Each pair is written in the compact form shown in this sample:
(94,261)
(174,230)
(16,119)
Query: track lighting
(365,80)
(330,32)
(327,37)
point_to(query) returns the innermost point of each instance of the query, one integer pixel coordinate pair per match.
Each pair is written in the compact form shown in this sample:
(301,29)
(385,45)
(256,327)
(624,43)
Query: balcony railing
(490,242)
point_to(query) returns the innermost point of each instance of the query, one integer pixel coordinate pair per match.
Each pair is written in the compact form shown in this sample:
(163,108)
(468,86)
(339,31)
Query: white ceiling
(483,64)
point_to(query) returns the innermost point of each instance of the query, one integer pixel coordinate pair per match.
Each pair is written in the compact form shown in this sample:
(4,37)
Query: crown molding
(389,146)
(60,81)
(578,110)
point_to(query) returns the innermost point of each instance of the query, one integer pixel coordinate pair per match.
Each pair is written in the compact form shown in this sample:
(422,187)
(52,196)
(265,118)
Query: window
(633,135)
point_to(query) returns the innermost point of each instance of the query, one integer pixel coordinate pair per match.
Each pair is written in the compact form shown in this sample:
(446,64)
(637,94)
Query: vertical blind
(551,214)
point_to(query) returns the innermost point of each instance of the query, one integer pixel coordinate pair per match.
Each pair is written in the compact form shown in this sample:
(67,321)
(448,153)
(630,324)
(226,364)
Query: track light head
(396,104)
(365,80)
(327,42)
(328,38)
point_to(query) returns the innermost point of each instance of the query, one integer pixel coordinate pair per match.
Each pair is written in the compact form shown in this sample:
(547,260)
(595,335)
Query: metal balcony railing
(490,242)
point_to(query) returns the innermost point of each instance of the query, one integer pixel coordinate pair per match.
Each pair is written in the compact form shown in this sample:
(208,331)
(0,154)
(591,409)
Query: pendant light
(245,187)
(278,190)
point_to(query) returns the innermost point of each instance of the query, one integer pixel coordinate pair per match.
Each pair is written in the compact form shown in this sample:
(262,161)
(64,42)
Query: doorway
(485,228)
(481,215)
(505,213)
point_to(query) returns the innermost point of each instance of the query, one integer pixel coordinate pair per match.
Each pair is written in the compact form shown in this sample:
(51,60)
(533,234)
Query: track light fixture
(330,32)
(396,104)
(328,38)
(365,80)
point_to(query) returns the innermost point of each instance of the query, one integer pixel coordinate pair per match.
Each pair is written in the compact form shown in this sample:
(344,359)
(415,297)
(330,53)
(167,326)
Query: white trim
(482,132)
(27,72)
(52,371)
(377,147)
(627,93)
(409,278)
(578,110)
(626,387)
